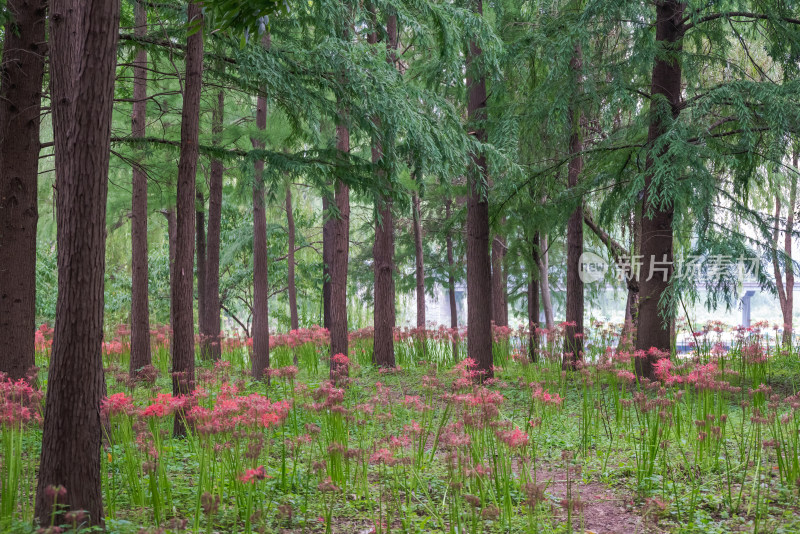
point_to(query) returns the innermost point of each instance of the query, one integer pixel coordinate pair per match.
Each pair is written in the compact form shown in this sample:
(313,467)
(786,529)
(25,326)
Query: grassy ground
(710,447)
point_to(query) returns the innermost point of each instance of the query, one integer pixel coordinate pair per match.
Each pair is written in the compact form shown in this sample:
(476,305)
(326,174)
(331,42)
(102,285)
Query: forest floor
(710,447)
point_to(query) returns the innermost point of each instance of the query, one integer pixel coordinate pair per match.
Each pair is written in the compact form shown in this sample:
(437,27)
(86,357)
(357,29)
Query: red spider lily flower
(118,403)
(253,475)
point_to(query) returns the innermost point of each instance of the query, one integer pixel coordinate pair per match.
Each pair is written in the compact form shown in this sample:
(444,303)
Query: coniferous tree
(260,357)
(654,330)
(785,287)
(82,92)
(573,333)
(479,270)
(419,255)
(140,309)
(182,294)
(211,335)
(383,249)
(21,92)
(291,287)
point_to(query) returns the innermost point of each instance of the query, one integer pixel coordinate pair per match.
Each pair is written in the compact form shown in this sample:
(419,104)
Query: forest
(446,266)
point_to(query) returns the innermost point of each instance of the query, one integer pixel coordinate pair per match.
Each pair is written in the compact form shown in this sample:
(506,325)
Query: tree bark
(383,249)
(573,333)
(419,255)
(327,247)
(657,233)
(182,294)
(200,240)
(499,278)
(451,279)
(533,302)
(140,312)
(340,238)
(785,289)
(544,282)
(292,287)
(169,215)
(479,267)
(340,250)
(211,338)
(21,96)
(83,51)
(260,358)
(787,248)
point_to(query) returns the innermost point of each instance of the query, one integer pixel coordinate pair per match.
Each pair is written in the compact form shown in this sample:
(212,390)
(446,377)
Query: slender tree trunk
(82,109)
(653,330)
(479,266)
(451,279)
(573,333)
(340,250)
(292,287)
(169,215)
(140,312)
(419,256)
(787,244)
(544,282)
(533,302)
(499,277)
(182,294)
(785,289)
(327,247)
(21,96)
(383,253)
(200,240)
(260,358)
(383,249)
(340,239)
(211,339)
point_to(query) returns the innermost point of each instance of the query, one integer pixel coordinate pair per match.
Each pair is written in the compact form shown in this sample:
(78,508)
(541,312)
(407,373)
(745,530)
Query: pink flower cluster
(232,412)
(545,397)
(20,404)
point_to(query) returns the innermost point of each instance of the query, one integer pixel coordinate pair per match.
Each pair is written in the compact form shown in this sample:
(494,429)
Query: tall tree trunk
(340,237)
(169,215)
(479,266)
(451,279)
(292,286)
(419,255)
(211,338)
(21,96)
(82,91)
(327,248)
(140,312)
(785,289)
(182,294)
(200,240)
(383,249)
(533,301)
(544,282)
(499,278)
(787,248)
(340,250)
(653,330)
(573,333)
(260,358)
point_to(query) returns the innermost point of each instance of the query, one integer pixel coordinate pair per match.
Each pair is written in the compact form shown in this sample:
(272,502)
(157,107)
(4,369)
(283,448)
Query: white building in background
(608,306)
(437,307)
